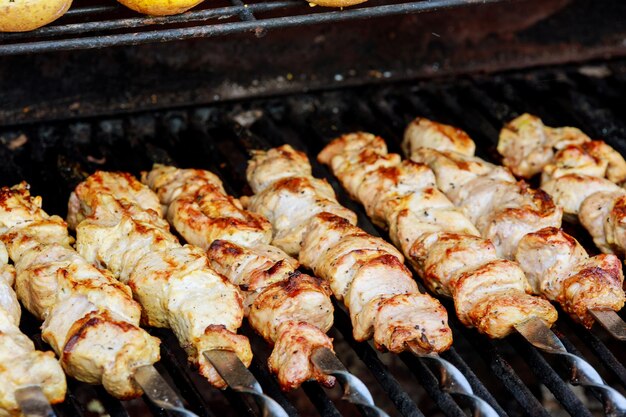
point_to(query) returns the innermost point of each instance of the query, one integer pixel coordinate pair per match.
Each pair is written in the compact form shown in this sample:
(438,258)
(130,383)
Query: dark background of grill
(401,45)
(57,155)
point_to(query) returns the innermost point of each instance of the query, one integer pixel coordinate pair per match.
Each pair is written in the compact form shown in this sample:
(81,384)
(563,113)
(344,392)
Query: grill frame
(295,14)
(512,34)
(203,137)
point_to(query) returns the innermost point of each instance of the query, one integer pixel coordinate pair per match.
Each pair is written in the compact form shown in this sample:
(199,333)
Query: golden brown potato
(160,7)
(335,3)
(25,15)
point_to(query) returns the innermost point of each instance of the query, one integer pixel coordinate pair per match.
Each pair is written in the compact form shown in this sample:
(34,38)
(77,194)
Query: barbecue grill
(64,115)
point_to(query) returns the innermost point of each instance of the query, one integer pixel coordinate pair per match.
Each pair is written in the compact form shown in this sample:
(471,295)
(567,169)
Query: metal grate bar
(90,10)
(507,376)
(479,389)
(549,377)
(406,406)
(173,34)
(113,406)
(603,352)
(246,13)
(185,384)
(238,8)
(321,402)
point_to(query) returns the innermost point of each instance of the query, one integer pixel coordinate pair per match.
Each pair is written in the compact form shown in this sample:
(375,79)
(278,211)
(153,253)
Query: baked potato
(25,15)
(160,7)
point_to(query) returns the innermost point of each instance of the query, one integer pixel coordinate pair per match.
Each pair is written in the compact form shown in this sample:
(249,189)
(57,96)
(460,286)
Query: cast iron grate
(107,24)
(515,378)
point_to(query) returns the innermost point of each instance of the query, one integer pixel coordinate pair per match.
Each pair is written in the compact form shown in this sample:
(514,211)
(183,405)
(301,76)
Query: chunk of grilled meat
(571,190)
(527,145)
(289,204)
(267,167)
(594,159)
(597,203)
(22,365)
(291,358)
(363,271)
(344,163)
(251,269)
(440,241)
(91,321)
(501,208)
(424,133)
(299,298)
(523,224)
(198,207)
(122,184)
(175,284)
(560,268)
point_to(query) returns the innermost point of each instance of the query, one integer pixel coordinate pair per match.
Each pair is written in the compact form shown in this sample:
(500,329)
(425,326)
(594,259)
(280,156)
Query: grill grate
(514,377)
(104,25)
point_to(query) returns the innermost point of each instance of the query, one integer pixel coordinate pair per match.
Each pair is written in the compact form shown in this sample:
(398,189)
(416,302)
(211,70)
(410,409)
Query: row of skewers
(121,235)
(470,229)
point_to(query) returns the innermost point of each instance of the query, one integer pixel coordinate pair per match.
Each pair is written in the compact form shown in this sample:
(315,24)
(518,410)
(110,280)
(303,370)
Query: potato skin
(336,3)
(25,15)
(160,7)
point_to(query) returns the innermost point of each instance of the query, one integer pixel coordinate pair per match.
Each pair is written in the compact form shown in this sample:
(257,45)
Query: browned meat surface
(363,271)
(237,242)
(527,145)
(439,239)
(22,364)
(91,320)
(523,223)
(175,284)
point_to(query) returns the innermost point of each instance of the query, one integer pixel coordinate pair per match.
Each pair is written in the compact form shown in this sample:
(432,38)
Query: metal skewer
(33,402)
(611,322)
(354,390)
(455,383)
(240,379)
(159,391)
(535,331)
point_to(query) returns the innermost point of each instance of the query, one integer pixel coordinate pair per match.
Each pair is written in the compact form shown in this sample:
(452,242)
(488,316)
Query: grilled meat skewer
(524,225)
(495,294)
(529,147)
(290,310)
(581,178)
(120,229)
(90,319)
(490,293)
(364,272)
(23,366)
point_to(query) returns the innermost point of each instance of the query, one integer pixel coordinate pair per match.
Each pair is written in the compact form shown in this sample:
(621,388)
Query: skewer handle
(354,390)
(611,322)
(159,391)
(455,383)
(240,379)
(33,402)
(538,334)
